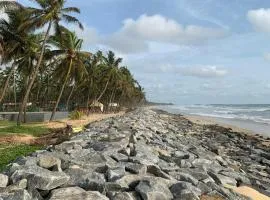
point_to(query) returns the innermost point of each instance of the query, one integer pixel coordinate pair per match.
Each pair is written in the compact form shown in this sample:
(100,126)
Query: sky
(185,51)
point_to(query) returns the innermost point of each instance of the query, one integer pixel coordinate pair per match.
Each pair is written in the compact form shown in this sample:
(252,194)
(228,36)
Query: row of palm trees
(45,61)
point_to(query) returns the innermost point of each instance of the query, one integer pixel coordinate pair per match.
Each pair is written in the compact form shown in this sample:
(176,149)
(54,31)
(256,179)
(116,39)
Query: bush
(76,115)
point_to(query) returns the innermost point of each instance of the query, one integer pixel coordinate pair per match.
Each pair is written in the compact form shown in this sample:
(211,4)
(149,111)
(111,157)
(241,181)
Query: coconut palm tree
(47,13)
(13,42)
(112,63)
(71,59)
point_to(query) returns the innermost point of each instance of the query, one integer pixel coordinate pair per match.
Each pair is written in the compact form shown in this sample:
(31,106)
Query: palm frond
(71,9)
(10,5)
(71,19)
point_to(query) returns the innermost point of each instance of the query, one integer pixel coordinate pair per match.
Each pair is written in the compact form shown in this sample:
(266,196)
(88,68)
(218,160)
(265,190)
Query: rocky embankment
(145,154)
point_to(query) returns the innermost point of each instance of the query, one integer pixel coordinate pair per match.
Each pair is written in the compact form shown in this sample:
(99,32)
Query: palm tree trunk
(35,72)
(104,90)
(87,103)
(7,82)
(69,97)
(61,92)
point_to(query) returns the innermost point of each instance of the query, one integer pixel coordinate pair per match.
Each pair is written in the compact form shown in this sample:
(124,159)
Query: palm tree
(48,13)
(112,64)
(69,54)
(13,43)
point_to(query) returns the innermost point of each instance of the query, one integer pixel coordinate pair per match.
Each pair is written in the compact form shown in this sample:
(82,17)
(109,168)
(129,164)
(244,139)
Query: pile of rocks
(145,154)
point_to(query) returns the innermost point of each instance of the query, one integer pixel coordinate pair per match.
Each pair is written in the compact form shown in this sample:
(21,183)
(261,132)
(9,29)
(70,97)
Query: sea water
(254,117)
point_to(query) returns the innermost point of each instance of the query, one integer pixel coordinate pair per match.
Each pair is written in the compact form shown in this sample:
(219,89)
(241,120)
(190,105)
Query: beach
(145,154)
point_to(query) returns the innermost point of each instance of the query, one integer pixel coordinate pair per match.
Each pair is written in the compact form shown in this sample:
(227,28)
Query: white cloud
(89,34)
(135,35)
(260,19)
(204,72)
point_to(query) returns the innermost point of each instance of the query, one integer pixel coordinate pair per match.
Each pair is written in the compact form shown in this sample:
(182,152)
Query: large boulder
(40,178)
(85,179)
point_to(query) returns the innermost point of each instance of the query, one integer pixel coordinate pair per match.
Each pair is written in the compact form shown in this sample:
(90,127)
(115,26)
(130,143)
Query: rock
(113,187)
(120,157)
(204,188)
(223,180)
(116,173)
(185,190)
(219,150)
(87,180)
(123,196)
(181,155)
(136,168)
(3,180)
(239,177)
(17,195)
(184,177)
(48,162)
(152,190)
(20,185)
(155,170)
(77,193)
(40,178)
(202,162)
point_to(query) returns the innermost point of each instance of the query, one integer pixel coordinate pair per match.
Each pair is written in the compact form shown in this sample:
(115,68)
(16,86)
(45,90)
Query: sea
(252,117)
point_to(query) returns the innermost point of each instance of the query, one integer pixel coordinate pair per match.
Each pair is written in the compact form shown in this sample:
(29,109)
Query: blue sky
(186,51)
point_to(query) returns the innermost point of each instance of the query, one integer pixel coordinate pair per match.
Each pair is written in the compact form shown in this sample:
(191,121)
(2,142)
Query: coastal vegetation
(46,69)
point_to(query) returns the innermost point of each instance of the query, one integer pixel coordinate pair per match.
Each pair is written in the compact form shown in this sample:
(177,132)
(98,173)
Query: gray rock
(87,180)
(3,180)
(155,170)
(120,157)
(20,185)
(77,193)
(181,155)
(116,173)
(184,177)
(40,178)
(136,168)
(152,190)
(239,177)
(48,162)
(17,195)
(123,196)
(222,180)
(204,188)
(184,189)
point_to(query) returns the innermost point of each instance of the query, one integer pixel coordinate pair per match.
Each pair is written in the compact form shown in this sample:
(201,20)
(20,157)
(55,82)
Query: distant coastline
(149,103)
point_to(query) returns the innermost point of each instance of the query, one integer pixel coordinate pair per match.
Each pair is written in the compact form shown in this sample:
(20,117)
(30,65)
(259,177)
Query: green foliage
(67,75)
(24,129)
(9,153)
(76,115)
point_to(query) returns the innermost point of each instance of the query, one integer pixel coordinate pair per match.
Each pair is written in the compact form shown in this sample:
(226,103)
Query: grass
(10,128)
(8,153)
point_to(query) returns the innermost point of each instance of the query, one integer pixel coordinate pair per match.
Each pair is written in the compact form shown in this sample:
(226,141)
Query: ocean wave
(254,113)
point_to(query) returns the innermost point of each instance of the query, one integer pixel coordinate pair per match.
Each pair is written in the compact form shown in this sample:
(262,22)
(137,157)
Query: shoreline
(202,120)
(238,125)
